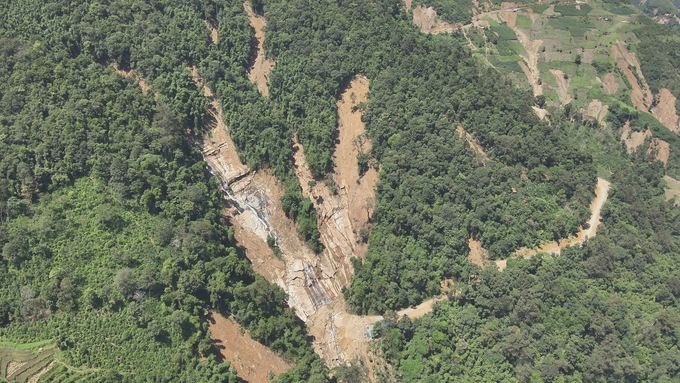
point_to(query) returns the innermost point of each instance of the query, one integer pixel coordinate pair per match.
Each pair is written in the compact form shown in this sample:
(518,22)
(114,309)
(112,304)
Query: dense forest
(114,246)
(113,243)
(606,312)
(433,194)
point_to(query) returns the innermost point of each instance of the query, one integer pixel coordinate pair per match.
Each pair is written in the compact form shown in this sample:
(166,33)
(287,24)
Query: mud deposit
(253,361)
(359,195)
(530,69)
(598,111)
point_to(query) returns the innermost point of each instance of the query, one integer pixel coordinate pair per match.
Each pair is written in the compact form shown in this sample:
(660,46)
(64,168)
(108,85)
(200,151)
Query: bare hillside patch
(661,149)
(478,255)
(483,157)
(562,86)
(426,18)
(665,112)
(610,83)
(531,67)
(259,72)
(672,188)
(640,95)
(252,360)
(132,74)
(360,191)
(633,139)
(597,110)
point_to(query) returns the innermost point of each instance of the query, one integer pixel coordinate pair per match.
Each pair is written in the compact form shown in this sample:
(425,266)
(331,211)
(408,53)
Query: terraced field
(35,362)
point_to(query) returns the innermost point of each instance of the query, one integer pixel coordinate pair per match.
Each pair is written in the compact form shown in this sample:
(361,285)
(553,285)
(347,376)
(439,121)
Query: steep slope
(259,71)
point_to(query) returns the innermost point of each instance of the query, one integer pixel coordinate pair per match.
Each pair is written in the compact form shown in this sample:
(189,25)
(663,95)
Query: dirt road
(588,231)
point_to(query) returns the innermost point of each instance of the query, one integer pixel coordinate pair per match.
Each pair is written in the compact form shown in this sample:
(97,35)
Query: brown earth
(36,377)
(641,95)
(633,140)
(259,72)
(253,361)
(588,231)
(540,112)
(610,83)
(562,86)
(661,148)
(213,32)
(407,5)
(13,367)
(313,282)
(426,18)
(597,111)
(473,144)
(531,67)
(664,111)
(254,209)
(672,188)
(478,255)
(360,191)
(509,17)
(132,74)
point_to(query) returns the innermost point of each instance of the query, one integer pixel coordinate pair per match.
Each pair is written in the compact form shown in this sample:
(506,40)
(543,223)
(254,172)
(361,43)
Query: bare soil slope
(562,86)
(251,359)
(610,83)
(672,188)
(259,72)
(426,18)
(633,140)
(665,112)
(640,95)
(359,191)
(530,69)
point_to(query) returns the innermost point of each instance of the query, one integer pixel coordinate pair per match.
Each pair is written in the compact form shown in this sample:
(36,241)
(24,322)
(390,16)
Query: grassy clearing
(523,22)
(517,47)
(570,10)
(508,66)
(577,27)
(623,11)
(540,8)
(504,32)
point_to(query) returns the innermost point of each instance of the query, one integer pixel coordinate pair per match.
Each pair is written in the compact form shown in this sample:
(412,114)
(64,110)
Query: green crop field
(523,22)
(575,26)
(540,8)
(504,32)
(570,10)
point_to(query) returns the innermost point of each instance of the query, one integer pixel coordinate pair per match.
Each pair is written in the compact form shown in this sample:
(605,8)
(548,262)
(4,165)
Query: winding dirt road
(588,231)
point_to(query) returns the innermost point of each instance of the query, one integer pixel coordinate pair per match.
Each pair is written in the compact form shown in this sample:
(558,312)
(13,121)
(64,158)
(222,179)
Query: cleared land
(35,362)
